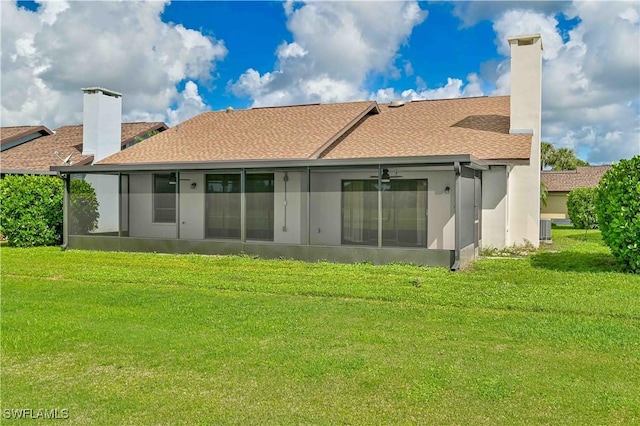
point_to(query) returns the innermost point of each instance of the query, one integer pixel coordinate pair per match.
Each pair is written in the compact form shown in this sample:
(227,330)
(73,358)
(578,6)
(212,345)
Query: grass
(119,338)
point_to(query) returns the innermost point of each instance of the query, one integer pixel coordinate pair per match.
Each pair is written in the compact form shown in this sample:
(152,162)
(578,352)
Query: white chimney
(526,116)
(102,122)
(526,83)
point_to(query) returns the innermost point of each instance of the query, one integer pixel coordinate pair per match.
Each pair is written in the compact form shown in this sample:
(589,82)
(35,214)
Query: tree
(139,139)
(564,159)
(618,209)
(558,159)
(83,217)
(546,150)
(582,209)
(544,194)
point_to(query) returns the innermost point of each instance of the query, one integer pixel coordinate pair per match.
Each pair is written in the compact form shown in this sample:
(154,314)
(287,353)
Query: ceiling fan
(386,177)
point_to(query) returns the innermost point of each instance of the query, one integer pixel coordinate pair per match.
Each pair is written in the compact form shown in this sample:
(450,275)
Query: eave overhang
(434,160)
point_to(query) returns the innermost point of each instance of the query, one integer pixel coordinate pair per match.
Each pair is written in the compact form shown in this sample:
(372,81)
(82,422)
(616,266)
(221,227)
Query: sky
(174,60)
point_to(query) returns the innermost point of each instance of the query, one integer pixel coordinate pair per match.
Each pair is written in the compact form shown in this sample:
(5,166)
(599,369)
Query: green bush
(618,208)
(31,210)
(84,214)
(581,206)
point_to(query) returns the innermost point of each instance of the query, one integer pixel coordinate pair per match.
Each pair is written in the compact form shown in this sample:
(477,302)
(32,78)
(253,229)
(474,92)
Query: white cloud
(591,81)
(49,54)
(336,46)
(455,88)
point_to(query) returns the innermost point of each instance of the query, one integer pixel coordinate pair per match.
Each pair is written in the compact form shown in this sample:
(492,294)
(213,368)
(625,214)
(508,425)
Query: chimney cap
(104,91)
(525,39)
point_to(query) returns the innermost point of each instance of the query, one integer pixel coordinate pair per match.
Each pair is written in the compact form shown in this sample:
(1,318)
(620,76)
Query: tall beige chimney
(526,83)
(526,116)
(102,122)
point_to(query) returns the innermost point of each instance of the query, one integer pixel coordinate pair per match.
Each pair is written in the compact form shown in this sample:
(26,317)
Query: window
(164,198)
(223,206)
(259,209)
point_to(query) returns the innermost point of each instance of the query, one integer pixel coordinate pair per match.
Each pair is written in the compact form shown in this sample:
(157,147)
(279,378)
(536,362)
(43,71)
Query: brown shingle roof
(471,126)
(293,132)
(38,155)
(566,180)
(476,126)
(10,134)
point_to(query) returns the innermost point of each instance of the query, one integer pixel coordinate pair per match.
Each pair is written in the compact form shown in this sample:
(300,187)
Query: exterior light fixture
(385,176)
(193,185)
(447,190)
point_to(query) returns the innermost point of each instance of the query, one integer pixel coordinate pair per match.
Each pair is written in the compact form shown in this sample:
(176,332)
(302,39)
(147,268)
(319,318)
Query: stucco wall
(192,206)
(290,208)
(141,210)
(494,207)
(325,207)
(556,206)
(106,187)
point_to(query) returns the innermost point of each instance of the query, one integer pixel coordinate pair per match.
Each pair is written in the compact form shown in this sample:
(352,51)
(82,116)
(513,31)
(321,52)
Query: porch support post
(66,204)
(379,206)
(456,211)
(243,205)
(177,204)
(308,236)
(119,204)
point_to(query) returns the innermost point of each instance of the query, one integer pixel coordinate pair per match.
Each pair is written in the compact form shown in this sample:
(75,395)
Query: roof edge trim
(248,164)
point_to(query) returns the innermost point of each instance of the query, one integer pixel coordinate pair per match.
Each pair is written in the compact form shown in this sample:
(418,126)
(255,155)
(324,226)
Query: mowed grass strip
(119,338)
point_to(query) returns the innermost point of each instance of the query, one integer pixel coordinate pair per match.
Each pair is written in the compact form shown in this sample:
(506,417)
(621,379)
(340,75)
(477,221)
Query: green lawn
(119,338)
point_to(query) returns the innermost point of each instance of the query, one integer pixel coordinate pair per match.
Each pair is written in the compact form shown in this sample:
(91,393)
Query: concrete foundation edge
(338,254)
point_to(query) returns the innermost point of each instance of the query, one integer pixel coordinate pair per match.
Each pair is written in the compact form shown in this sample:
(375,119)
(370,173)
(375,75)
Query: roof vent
(229,109)
(396,103)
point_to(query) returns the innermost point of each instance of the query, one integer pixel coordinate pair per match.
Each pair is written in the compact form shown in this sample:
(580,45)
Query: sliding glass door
(223,206)
(404,212)
(260,206)
(360,212)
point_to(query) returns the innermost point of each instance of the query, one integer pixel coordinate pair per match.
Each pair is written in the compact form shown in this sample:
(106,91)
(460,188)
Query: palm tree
(546,151)
(544,194)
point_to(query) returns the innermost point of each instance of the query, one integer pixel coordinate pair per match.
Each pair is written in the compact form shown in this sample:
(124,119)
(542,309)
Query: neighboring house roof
(566,180)
(470,126)
(13,136)
(38,155)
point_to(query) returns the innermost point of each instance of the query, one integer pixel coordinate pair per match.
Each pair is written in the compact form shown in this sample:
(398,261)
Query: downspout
(65,209)
(456,206)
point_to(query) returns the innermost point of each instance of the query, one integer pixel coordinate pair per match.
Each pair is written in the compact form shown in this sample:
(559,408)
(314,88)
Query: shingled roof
(566,180)
(475,126)
(292,132)
(38,155)
(470,126)
(10,135)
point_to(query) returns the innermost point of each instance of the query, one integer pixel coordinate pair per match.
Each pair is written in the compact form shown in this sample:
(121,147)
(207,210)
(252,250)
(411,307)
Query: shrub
(581,207)
(84,214)
(618,209)
(31,210)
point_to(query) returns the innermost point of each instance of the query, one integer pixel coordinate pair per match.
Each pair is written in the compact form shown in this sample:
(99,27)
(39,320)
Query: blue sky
(175,60)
